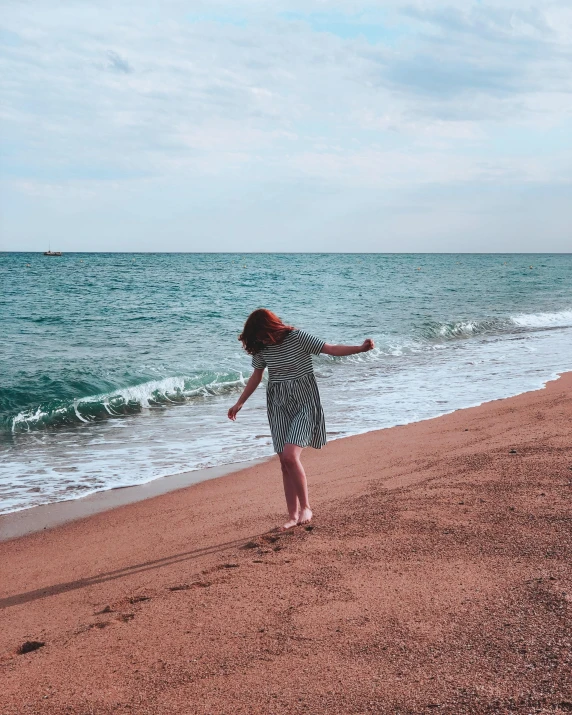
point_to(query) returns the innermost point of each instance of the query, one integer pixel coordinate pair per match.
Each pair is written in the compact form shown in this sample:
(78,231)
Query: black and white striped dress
(294,409)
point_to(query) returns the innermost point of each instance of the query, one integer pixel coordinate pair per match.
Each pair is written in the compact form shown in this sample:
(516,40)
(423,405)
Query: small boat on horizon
(52,253)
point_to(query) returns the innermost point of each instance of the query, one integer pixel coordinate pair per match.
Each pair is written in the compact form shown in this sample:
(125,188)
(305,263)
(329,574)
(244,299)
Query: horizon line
(306,253)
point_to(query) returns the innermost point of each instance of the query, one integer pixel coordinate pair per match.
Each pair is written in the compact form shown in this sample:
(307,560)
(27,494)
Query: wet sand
(436,577)
(46,516)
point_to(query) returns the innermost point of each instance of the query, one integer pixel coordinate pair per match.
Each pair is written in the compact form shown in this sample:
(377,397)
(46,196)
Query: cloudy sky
(428,125)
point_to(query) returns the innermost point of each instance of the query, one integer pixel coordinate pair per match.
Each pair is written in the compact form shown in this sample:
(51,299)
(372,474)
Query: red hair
(263,328)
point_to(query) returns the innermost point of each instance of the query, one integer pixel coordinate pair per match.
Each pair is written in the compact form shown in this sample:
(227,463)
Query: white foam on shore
(561,319)
(358,396)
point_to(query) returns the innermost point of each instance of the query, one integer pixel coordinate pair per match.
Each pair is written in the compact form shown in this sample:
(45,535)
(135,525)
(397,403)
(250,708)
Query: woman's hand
(343,350)
(234,410)
(251,385)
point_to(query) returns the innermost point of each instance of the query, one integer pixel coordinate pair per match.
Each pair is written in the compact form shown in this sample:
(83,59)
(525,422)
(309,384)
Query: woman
(294,410)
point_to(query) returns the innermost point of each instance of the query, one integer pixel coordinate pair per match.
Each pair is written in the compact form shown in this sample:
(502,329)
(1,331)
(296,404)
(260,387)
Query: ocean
(117,369)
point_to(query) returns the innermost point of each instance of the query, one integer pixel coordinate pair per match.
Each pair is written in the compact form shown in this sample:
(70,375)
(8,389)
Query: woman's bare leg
(295,476)
(291,497)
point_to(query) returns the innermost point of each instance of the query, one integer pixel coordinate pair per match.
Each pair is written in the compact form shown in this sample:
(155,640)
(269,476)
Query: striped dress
(294,409)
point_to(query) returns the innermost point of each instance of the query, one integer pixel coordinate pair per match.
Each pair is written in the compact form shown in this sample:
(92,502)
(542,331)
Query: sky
(427,125)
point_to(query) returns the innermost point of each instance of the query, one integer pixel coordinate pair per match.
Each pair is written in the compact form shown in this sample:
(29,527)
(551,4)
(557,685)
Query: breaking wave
(495,326)
(157,394)
(125,401)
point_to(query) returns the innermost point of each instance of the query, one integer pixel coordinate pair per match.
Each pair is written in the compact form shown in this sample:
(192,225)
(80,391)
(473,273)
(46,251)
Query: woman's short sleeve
(310,343)
(258,362)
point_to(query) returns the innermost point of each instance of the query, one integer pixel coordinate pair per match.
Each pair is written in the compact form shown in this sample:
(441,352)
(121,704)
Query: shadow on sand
(21,598)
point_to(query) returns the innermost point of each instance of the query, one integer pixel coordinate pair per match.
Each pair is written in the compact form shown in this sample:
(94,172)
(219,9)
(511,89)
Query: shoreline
(436,576)
(41,517)
(47,516)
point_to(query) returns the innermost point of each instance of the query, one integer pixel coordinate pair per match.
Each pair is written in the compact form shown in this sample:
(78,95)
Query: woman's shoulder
(289,335)
(300,334)
(288,340)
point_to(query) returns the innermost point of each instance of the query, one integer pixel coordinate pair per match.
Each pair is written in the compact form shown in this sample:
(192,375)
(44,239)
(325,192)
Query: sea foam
(118,369)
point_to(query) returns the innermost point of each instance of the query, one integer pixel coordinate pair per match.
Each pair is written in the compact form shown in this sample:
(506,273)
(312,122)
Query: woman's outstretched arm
(341,350)
(251,385)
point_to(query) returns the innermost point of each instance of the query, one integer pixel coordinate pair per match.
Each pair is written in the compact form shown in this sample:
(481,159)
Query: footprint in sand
(107,609)
(251,545)
(126,617)
(100,624)
(139,599)
(29,647)
(188,586)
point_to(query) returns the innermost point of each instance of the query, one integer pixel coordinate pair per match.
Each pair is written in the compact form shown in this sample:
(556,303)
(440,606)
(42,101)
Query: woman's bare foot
(291,523)
(305,516)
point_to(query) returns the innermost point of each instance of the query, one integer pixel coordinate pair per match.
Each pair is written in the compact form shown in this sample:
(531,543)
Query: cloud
(352,97)
(432,76)
(117,63)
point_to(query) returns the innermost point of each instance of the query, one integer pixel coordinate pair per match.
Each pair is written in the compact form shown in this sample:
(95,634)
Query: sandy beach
(435,577)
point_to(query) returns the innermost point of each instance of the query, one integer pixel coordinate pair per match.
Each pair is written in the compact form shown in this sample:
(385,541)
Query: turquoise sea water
(119,368)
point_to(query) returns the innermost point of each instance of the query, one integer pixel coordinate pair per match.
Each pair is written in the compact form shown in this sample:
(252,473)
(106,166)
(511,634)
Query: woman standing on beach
(294,409)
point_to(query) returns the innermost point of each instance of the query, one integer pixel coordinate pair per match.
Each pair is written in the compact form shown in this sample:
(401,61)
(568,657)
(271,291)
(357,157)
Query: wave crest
(434,330)
(125,401)
(128,400)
